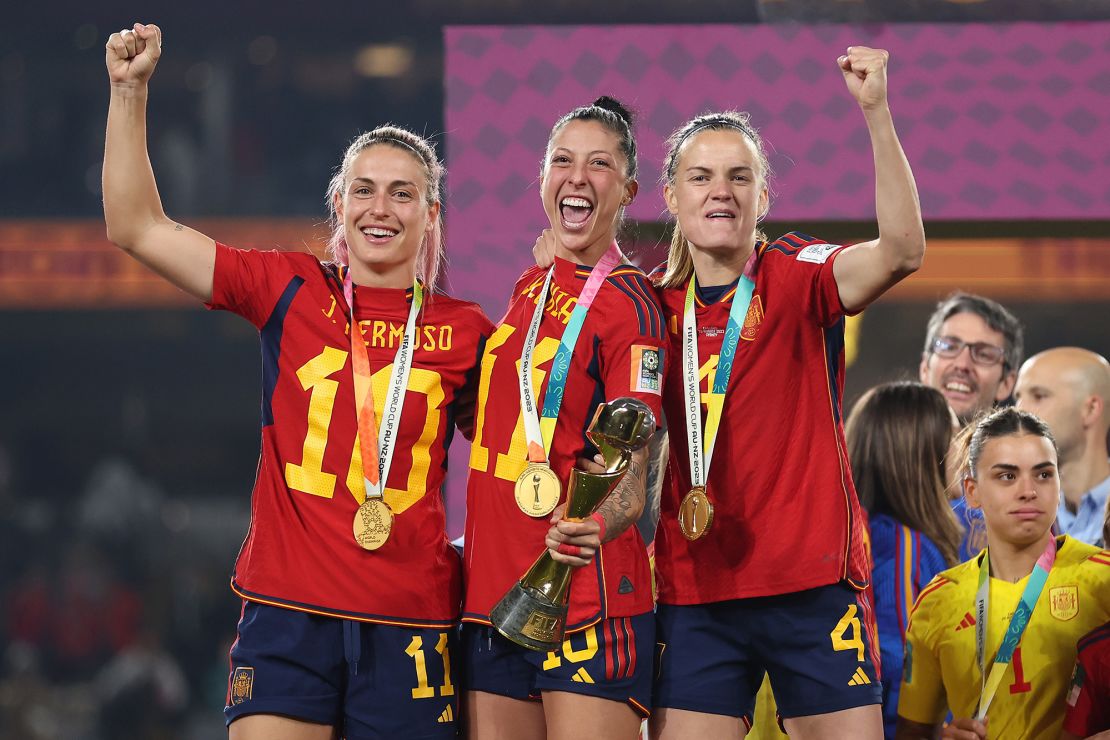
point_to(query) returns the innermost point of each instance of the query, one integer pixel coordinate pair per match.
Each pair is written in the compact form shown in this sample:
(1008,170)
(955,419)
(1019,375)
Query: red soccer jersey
(300,551)
(615,356)
(1088,699)
(786,516)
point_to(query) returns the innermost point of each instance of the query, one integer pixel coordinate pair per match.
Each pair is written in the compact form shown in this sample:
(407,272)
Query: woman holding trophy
(586,331)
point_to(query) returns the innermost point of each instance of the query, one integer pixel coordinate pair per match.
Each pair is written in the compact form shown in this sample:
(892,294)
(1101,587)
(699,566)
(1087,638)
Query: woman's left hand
(544,250)
(864,71)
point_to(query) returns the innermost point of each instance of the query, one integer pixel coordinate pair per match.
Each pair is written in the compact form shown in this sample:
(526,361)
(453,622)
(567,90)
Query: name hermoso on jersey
(388,334)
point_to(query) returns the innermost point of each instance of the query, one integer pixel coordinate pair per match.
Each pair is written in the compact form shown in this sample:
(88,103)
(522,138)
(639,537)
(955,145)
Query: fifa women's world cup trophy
(533,613)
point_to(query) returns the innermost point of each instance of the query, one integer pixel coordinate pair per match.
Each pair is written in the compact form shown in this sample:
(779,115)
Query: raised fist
(132,54)
(864,71)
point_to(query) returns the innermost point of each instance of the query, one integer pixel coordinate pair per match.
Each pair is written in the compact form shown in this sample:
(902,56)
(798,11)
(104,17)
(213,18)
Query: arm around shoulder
(133,211)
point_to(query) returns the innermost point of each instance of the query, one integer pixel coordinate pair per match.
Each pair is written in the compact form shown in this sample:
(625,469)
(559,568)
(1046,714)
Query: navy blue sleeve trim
(648,313)
(1100,634)
(271,346)
(834,343)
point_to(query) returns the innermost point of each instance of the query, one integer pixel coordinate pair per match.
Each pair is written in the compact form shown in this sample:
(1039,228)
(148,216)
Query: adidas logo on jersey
(582,677)
(625,586)
(447,716)
(967,621)
(859,679)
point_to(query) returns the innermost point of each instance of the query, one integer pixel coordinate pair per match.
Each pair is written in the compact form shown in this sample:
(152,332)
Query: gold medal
(695,514)
(373,521)
(538,490)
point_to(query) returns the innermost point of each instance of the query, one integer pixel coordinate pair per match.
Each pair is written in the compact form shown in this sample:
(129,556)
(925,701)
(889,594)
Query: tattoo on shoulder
(178,227)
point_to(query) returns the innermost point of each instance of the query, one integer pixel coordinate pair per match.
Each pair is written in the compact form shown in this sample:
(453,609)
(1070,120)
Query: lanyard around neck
(539,431)
(377,443)
(1016,627)
(701,447)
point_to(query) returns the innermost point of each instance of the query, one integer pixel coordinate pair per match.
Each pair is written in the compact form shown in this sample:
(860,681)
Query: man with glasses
(972,352)
(973,348)
(1069,389)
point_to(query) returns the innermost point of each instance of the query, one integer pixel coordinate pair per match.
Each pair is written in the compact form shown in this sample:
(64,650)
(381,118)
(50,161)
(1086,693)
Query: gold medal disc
(695,514)
(373,521)
(538,490)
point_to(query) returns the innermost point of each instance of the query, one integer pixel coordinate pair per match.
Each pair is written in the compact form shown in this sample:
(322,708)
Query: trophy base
(528,620)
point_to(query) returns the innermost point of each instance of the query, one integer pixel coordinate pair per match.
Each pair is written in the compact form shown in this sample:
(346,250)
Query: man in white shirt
(1069,388)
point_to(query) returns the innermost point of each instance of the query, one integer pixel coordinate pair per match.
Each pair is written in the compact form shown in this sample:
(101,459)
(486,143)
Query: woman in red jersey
(350,589)
(587,330)
(760,556)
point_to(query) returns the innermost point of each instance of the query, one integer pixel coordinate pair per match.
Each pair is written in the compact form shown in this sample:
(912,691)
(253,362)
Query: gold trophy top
(620,427)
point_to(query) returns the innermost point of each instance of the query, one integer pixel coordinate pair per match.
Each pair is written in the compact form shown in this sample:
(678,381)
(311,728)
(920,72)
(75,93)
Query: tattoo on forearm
(624,505)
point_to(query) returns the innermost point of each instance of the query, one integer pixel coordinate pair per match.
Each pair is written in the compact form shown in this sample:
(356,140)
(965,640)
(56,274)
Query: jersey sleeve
(467,396)
(631,349)
(249,282)
(1087,709)
(800,268)
(921,697)
(1079,717)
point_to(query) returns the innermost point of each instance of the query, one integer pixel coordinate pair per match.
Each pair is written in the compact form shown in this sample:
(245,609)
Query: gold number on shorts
(848,622)
(416,652)
(554,660)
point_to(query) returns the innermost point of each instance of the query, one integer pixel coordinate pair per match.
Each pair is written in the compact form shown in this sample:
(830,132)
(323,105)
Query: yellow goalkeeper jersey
(941,672)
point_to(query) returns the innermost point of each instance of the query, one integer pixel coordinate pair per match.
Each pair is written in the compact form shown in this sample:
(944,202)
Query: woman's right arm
(133,211)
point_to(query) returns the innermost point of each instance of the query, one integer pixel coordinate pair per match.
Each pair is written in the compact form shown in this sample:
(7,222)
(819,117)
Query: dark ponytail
(613,115)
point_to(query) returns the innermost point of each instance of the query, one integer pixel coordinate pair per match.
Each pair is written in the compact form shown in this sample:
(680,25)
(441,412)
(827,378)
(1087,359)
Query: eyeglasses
(981,352)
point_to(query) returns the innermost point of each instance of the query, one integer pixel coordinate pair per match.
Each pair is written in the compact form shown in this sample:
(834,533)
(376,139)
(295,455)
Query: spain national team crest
(753,319)
(1063,602)
(242,684)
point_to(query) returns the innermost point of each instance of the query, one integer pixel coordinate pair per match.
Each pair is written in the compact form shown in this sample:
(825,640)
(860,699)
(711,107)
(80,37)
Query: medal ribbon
(1014,630)
(538,431)
(691,366)
(376,444)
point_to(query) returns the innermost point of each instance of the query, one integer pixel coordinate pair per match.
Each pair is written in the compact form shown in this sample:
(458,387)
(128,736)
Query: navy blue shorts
(369,680)
(817,646)
(611,660)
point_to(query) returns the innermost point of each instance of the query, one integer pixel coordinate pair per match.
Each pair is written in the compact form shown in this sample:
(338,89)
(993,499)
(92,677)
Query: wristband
(597,517)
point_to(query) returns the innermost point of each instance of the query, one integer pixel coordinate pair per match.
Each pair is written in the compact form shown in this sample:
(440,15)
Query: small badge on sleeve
(817,253)
(646,364)
(1078,676)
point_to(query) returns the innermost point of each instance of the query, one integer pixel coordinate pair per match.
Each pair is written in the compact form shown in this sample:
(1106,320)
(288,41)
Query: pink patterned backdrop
(1000,122)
